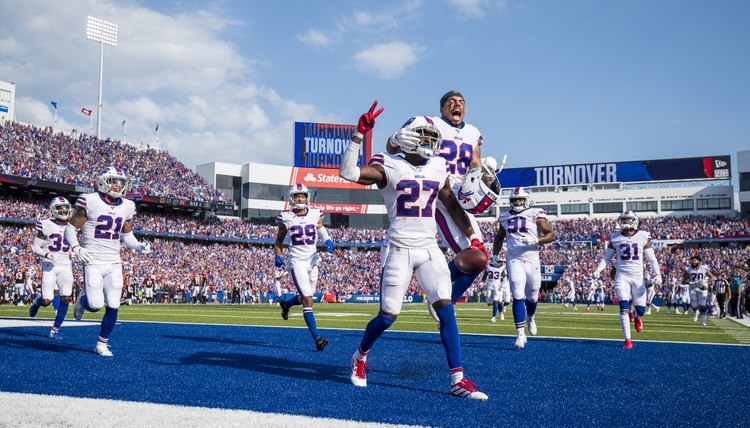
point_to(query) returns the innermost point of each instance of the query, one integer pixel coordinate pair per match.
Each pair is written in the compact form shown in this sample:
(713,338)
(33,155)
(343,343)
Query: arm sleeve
(129,240)
(349,169)
(603,262)
(651,255)
(71,235)
(36,247)
(323,234)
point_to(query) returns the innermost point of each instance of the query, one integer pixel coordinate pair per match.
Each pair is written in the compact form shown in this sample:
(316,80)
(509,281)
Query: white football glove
(144,248)
(82,254)
(529,240)
(407,139)
(490,163)
(657,279)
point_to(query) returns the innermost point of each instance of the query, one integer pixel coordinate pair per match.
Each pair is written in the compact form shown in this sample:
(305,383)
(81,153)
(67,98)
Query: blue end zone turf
(551,382)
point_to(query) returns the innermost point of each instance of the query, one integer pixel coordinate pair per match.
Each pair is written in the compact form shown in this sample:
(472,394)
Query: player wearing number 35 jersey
(630,246)
(411,183)
(104,219)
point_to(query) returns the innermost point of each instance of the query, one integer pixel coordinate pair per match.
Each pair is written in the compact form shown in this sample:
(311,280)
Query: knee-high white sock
(625,323)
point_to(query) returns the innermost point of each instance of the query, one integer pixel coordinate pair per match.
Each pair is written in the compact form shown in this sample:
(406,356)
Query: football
(471,260)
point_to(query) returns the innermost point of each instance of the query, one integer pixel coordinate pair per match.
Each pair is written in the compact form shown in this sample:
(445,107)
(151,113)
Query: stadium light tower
(104,33)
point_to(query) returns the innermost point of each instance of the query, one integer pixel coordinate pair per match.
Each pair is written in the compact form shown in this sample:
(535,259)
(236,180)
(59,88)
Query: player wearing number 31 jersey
(630,246)
(104,219)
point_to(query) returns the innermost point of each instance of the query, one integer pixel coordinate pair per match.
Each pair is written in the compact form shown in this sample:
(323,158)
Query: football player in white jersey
(685,297)
(473,180)
(304,225)
(650,294)
(104,220)
(630,246)
(592,295)
(52,248)
(525,228)
(496,277)
(570,293)
(411,182)
(697,275)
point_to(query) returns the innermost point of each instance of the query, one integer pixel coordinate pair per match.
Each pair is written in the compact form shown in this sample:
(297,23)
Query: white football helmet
(429,136)
(519,199)
(479,190)
(296,189)
(60,208)
(497,262)
(628,221)
(113,176)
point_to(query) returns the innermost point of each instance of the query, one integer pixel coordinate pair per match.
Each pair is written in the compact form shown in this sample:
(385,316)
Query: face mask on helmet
(113,182)
(519,200)
(628,221)
(299,196)
(429,137)
(479,190)
(60,208)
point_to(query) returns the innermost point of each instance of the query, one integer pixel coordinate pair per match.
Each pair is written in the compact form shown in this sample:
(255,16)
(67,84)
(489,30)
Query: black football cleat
(321,343)
(284,309)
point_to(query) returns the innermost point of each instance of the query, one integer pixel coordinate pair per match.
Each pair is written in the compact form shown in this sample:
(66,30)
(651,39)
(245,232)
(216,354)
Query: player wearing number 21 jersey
(304,224)
(104,219)
(411,183)
(629,247)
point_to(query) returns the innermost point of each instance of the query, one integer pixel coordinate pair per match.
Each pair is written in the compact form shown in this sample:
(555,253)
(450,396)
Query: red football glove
(476,243)
(367,120)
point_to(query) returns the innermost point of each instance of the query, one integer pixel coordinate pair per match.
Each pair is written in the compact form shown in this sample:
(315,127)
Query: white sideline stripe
(9,322)
(51,410)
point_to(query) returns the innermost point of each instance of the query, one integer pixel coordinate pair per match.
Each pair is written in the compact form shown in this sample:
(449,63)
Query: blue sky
(547,82)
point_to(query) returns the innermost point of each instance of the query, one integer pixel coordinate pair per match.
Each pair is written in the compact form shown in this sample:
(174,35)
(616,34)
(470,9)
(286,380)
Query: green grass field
(553,320)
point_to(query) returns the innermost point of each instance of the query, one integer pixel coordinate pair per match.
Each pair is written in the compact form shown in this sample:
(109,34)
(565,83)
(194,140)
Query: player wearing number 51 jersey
(104,219)
(630,246)
(50,245)
(411,183)
(304,224)
(524,228)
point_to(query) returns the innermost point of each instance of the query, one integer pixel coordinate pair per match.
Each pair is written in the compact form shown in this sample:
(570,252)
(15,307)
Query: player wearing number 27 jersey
(411,183)
(104,219)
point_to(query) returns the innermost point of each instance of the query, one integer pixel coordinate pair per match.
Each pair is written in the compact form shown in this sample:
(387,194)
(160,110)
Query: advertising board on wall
(698,168)
(321,145)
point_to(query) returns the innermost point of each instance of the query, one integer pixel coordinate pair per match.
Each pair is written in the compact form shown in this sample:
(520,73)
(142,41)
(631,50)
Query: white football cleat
(359,376)
(520,341)
(502,316)
(657,308)
(432,311)
(492,319)
(464,388)
(78,310)
(648,312)
(695,317)
(532,326)
(102,349)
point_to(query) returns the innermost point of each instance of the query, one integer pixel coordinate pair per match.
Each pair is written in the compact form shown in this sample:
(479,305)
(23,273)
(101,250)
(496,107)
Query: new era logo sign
(719,163)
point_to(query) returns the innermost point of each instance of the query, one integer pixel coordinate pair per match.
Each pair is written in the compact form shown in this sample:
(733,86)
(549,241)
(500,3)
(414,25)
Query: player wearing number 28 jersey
(104,219)
(411,182)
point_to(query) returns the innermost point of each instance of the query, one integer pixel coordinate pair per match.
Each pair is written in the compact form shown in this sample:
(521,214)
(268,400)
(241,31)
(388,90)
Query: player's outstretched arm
(349,170)
(603,262)
(497,243)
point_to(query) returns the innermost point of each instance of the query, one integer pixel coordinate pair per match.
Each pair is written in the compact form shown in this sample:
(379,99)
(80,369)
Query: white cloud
(173,70)
(476,8)
(388,60)
(314,37)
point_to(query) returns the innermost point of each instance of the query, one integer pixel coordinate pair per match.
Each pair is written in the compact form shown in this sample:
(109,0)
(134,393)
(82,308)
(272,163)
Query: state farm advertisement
(317,177)
(336,208)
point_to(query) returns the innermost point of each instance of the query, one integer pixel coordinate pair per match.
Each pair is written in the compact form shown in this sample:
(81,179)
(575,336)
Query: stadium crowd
(30,151)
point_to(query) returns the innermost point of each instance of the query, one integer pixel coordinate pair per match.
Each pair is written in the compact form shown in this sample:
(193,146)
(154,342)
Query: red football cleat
(628,344)
(638,325)
(630,314)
